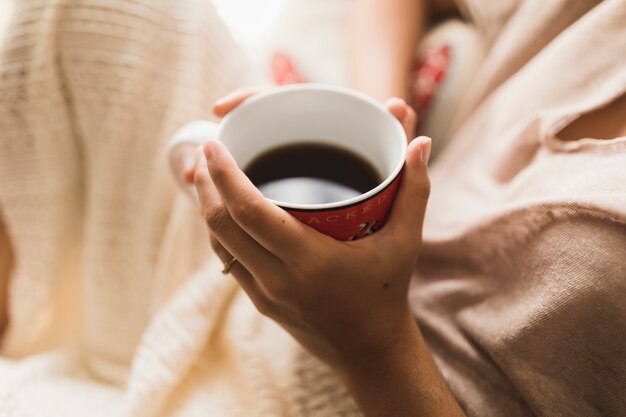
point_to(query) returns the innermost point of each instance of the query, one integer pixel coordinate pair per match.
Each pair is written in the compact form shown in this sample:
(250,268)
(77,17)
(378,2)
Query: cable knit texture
(118,307)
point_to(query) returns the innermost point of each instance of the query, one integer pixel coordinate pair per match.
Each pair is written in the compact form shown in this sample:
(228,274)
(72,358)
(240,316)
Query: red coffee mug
(297,113)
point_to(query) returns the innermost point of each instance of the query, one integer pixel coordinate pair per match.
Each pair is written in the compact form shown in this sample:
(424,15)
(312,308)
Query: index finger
(229,102)
(405,115)
(268,224)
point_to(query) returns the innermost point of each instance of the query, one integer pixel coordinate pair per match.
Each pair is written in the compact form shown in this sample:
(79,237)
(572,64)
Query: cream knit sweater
(118,308)
(116,294)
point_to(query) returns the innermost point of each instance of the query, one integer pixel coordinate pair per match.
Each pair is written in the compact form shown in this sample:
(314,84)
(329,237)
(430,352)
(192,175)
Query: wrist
(403,346)
(403,380)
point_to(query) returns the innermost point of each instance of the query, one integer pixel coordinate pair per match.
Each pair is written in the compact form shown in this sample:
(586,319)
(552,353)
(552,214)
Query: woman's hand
(346,302)
(343,301)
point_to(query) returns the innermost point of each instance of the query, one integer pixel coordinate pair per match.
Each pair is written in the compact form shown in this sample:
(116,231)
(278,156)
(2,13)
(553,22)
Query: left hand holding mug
(346,302)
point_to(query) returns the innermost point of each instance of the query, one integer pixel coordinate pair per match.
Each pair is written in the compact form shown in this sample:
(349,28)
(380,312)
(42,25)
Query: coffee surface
(312,173)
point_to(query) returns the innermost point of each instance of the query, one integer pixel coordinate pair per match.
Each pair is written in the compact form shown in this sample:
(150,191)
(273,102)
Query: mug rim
(389,179)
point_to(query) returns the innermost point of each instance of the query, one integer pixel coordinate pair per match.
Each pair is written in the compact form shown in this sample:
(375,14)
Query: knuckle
(219,173)
(422,189)
(220,250)
(201,178)
(247,212)
(280,290)
(263,305)
(404,243)
(216,216)
(426,188)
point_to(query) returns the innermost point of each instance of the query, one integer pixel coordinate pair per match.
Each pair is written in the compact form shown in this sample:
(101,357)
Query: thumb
(409,209)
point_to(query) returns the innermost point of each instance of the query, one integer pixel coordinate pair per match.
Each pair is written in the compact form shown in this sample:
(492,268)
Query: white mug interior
(322,114)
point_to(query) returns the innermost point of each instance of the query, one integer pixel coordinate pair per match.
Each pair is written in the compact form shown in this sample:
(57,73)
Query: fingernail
(395,100)
(426,147)
(217,107)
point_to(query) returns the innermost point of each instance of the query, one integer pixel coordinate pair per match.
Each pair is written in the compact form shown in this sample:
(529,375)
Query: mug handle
(180,149)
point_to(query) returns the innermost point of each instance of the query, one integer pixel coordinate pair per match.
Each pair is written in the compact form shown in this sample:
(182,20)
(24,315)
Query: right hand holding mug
(344,301)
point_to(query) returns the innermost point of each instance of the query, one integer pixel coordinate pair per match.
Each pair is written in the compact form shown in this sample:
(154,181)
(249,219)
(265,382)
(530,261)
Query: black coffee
(312,173)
